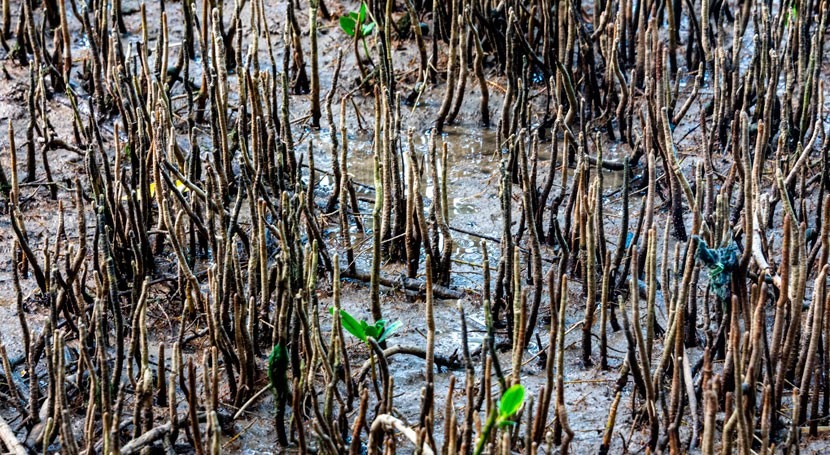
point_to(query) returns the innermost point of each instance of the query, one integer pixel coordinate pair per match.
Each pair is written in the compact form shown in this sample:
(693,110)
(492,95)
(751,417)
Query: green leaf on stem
(348,23)
(357,329)
(389,331)
(510,403)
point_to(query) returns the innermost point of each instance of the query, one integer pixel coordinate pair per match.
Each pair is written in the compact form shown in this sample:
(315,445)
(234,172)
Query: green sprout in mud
(509,405)
(363,331)
(355,25)
(278,382)
(371,335)
(355,22)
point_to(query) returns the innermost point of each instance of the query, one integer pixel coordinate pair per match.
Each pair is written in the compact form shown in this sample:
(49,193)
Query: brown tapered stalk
(345,231)
(609,426)
(463,63)
(315,70)
(419,39)
(334,197)
(528,203)
(561,411)
(478,66)
(428,402)
(7,19)
(519,314)
(603,318)
(452,74)
(590,275)
(812,343)
(376,245)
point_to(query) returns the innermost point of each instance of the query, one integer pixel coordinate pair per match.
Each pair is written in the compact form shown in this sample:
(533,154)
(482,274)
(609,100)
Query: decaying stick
(442,292)
(387,421)
(10,440)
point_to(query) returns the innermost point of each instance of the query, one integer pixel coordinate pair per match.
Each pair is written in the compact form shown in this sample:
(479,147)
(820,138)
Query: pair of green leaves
(510,404)
(361,330)
(349,22)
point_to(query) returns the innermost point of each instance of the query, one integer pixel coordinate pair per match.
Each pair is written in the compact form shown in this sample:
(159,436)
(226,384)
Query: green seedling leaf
(367,330)
(357,329)
(389,331)
(362,330)
(347,24)
(506,423)
(510,402)
(363,8)
(367,29)
(375,331)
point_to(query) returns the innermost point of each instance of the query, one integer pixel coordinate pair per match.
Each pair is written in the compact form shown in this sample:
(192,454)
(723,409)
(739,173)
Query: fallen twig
(442,292)
(10,439)
(448,362)
(387,421)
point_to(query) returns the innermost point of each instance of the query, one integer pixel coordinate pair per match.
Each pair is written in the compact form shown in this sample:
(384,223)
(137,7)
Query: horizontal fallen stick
(611,165)
(446,362)
(151,436)
(410,284)
(147,438)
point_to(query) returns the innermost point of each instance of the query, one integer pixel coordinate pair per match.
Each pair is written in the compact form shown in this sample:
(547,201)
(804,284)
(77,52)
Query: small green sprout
(510,403)
(362,330)
(349,23)
(366,333)
(359,24)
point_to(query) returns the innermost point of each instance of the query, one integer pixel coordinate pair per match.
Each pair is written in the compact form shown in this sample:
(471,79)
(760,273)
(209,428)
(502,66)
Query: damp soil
(474,158)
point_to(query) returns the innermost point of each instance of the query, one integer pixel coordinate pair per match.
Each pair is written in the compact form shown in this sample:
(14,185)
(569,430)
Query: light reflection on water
(473,158)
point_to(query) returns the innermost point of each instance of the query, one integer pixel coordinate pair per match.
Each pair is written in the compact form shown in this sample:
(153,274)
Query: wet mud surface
(474,159)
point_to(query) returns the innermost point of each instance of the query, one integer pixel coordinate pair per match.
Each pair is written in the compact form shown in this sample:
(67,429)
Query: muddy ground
(474,157)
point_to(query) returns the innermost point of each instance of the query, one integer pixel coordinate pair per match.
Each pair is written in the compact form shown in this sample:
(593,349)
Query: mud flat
(414,227)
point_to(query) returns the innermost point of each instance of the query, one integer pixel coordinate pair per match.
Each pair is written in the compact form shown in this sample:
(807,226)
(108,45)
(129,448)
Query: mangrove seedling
(509,405)
(355,25)
(363,331)
(355,22)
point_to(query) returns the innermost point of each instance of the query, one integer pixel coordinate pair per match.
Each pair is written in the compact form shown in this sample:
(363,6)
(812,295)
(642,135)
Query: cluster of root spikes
(192,267)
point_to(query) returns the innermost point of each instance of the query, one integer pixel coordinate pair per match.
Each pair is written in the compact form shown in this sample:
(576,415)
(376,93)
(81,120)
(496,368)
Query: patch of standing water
(472,183)
(468,149)
(463,208)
